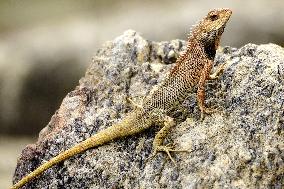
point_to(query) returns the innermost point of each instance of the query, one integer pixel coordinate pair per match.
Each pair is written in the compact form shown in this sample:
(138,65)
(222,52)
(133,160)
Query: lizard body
(192,68)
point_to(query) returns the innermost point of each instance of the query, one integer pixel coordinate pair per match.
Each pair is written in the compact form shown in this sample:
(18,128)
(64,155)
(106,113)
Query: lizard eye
(213,17)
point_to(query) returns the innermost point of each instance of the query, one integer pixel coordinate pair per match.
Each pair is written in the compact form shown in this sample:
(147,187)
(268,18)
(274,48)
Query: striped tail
(133,123)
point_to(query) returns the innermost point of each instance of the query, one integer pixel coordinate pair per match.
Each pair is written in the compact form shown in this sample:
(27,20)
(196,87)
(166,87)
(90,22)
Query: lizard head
(209,30)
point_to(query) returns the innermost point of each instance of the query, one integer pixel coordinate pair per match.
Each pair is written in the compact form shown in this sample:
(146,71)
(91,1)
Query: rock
(239,146)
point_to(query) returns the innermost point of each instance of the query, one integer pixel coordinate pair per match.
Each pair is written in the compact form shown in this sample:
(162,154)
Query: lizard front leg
(201,85)
(205,74)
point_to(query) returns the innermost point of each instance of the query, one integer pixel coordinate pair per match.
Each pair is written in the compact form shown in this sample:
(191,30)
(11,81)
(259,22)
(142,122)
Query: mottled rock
(239,146)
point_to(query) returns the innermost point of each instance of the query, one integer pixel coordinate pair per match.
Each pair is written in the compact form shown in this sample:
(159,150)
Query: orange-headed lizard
(192,68)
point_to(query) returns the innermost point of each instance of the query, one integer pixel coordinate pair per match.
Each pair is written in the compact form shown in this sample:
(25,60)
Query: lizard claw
(167,149)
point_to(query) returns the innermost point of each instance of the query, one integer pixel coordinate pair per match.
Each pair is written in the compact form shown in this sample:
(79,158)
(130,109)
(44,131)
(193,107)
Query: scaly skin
(192,68)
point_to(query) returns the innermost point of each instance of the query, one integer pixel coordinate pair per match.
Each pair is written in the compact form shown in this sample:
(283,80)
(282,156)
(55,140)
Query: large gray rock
(240,146)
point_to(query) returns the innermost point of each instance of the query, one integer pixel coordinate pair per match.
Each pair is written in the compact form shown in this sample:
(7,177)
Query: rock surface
(240,146)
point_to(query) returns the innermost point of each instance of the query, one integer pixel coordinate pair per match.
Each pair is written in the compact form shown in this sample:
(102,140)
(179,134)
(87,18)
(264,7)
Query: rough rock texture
(240,146)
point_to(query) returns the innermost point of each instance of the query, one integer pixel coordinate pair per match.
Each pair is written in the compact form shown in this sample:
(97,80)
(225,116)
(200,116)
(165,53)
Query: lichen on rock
(239,146)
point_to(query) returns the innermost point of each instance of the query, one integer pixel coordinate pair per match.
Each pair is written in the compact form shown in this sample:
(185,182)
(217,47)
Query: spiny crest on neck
(205,33)
(210,28)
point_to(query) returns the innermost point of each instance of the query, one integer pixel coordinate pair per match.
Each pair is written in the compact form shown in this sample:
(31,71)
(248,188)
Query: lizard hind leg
(159,139)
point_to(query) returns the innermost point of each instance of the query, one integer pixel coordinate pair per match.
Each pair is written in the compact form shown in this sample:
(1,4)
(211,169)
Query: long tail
(134,123)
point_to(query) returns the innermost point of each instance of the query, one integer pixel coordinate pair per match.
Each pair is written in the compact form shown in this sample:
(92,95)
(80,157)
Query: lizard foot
(218,72)
(207,111)
(167,149)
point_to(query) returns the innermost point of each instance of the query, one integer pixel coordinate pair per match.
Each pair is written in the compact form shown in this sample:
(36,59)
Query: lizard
(192,68)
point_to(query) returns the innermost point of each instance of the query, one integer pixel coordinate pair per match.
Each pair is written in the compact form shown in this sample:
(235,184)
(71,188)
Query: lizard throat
(210,50)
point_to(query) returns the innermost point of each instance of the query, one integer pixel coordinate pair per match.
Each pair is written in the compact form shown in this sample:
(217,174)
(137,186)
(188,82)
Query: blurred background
(46,46)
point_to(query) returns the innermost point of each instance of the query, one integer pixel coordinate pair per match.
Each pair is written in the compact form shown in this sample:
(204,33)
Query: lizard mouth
(218,39)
